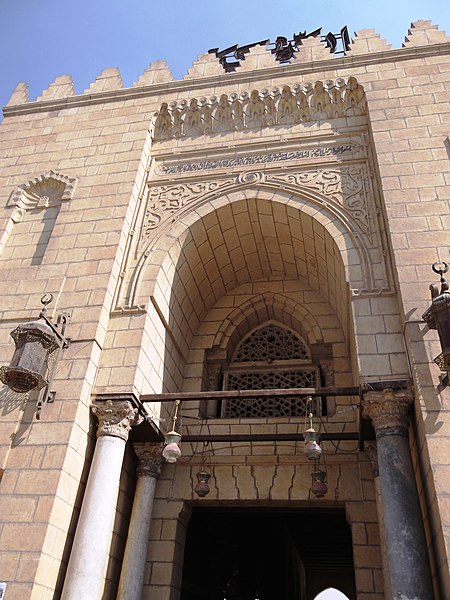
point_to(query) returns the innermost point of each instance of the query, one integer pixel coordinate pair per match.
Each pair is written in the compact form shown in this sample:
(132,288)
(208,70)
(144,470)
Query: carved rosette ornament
(388,409)
(149,459)
(115,418)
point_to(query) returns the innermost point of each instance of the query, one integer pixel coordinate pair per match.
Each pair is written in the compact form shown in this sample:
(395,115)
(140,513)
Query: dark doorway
(276,554)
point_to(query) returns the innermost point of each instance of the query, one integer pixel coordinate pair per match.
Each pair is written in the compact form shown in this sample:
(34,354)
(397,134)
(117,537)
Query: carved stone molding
(301,103)
(149,459)
(347,150)
(115,418)
(164,200)
(346,187)
(49,189)
(343,191)
(388,409)
(371,452)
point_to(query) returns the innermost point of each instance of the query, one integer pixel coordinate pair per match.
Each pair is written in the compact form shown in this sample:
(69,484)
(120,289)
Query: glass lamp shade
(202,485)
(172,452)
(319,488)
(312,448)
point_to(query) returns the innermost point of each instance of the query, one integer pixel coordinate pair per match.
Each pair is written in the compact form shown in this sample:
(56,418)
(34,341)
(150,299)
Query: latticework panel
(238,408)
(271,343)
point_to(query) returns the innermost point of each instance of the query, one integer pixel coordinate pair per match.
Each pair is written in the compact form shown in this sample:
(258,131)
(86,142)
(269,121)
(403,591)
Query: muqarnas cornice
(300,103)
(44,191)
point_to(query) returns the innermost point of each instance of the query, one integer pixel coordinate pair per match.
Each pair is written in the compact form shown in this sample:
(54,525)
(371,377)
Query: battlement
(304,53)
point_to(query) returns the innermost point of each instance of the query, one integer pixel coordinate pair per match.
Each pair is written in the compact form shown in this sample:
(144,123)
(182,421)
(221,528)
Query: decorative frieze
(300,103)
(344,186)
(115,418)
(149,459)
(352,149)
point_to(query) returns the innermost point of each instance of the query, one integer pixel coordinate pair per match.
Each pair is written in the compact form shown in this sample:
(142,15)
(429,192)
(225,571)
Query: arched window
(331,594)
(270,357)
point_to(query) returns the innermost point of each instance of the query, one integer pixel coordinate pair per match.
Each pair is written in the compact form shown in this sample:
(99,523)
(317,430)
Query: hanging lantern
(318,487)
(202,485)
(172,439)
(312,448)
(437,316)
(172,450)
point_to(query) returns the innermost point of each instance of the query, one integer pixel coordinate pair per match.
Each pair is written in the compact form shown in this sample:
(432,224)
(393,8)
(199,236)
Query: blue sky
(41,39)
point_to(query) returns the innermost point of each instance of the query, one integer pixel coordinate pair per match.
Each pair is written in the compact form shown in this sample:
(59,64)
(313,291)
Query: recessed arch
(265,307)
(311,204)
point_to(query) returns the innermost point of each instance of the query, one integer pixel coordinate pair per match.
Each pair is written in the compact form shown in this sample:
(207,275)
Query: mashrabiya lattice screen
(261,348)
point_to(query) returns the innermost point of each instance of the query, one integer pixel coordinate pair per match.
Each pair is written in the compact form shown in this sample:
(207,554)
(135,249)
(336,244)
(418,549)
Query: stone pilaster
(406,551)
(88,559)
(135,557)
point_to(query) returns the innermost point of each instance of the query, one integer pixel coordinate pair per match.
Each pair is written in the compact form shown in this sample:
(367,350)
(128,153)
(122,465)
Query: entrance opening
(267,554)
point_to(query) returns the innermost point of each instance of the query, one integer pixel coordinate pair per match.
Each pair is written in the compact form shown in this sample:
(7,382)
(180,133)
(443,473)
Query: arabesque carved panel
(343,187)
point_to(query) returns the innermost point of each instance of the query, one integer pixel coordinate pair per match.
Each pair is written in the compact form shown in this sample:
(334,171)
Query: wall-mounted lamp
(172,439)
(437,316)
(36,341)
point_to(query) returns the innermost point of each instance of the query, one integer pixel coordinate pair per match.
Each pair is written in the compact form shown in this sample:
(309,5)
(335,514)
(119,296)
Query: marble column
(370,450)
(89,556)
(406,550)
(135,557)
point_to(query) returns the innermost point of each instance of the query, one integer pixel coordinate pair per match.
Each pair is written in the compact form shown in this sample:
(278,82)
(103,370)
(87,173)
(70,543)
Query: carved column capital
(149,459)
(388,409)
(115,418)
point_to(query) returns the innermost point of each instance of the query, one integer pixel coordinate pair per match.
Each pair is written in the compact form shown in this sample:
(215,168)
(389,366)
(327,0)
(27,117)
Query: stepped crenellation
(308,51)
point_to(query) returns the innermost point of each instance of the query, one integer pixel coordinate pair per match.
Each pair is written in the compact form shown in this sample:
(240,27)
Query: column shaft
(90,550)
(405,538)
(408,563)
(135,557)
(133,567)
(87,564)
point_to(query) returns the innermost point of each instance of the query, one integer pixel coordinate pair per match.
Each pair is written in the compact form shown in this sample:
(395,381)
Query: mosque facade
(242,258)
